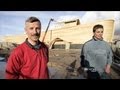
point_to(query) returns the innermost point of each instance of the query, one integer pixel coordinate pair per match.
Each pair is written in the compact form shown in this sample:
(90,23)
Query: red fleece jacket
(27,63)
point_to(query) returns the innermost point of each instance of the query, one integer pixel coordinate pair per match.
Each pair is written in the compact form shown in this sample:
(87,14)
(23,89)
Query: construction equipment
(47,29)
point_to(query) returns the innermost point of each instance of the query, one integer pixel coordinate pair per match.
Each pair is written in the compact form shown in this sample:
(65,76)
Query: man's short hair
(33,19)
(97,27)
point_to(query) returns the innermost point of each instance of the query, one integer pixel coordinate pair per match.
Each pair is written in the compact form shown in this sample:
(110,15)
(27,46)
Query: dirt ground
(63,64)
(61,61)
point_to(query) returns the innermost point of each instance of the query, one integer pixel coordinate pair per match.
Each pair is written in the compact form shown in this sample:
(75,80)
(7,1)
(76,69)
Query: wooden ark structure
(70,33)
(74,33)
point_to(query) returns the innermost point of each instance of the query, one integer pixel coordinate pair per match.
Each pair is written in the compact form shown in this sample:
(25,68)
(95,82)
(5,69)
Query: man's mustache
(37,34)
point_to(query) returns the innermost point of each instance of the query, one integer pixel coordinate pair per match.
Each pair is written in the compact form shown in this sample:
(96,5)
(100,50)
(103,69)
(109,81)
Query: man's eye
(38,28)
(31,28)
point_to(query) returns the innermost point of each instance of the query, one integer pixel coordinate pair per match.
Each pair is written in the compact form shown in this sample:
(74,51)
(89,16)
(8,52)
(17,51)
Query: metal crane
(47,29)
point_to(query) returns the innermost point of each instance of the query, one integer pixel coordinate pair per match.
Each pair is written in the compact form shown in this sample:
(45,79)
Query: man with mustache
(29,60)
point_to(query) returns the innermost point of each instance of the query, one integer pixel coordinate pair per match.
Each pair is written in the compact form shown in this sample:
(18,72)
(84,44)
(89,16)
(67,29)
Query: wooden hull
(78,34)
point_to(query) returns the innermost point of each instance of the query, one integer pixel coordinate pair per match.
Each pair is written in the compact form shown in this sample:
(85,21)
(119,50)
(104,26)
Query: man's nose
(35,31)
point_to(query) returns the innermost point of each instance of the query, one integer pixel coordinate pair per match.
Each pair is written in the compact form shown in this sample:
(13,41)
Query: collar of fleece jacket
(36,47)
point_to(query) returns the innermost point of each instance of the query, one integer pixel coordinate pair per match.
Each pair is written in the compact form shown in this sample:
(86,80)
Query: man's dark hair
(33,19)
(97,26)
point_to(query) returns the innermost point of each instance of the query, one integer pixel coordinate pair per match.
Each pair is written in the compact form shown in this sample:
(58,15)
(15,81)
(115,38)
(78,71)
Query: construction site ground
(60,62)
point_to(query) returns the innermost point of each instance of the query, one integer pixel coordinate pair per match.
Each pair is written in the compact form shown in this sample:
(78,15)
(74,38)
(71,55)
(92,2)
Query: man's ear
(25,30)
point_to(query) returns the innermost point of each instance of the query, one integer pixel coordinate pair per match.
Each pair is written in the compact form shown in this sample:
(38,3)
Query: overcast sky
(12,22)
